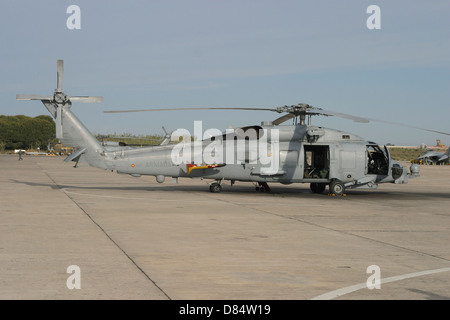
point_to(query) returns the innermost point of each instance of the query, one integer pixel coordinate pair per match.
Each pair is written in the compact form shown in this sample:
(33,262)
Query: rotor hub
(60,98)
(298,109)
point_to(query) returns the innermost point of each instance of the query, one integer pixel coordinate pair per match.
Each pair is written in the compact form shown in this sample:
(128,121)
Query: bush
(22,132)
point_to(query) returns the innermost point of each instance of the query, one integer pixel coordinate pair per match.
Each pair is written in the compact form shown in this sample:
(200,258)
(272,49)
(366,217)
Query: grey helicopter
(261,154)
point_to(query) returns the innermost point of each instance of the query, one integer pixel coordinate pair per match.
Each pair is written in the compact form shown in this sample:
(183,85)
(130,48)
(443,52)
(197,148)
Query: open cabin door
(316,162)
(378,160)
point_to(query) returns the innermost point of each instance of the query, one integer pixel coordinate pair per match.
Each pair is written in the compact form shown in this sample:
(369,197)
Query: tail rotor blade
(87,99)
(60,75)
(32,97)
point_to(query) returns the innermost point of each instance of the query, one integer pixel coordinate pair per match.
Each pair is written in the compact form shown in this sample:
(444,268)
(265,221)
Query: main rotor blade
(181,109)
(284,118)
(342,115)
(87,99)
(409,126)
(60,74)
(366,120)
(32,97)
(290,115)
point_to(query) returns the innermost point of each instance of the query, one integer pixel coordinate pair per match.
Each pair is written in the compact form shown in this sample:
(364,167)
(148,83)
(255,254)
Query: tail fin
(69,129)
(76,135)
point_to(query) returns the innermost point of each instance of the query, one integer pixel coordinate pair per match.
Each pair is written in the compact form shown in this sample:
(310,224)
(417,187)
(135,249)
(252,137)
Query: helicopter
(262,154)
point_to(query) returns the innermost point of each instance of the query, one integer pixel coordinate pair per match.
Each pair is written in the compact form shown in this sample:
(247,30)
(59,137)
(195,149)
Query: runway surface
(133,238)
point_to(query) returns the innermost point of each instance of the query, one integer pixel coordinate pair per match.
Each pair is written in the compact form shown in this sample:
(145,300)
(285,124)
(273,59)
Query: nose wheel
(337,187)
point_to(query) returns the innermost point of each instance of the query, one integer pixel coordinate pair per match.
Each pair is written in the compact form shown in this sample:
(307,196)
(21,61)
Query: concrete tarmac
(133,238)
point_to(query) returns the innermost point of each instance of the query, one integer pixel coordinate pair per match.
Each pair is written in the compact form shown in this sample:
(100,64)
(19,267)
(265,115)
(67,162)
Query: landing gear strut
(262,187)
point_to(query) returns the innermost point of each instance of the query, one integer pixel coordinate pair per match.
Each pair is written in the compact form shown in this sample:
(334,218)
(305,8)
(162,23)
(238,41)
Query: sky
(235,53)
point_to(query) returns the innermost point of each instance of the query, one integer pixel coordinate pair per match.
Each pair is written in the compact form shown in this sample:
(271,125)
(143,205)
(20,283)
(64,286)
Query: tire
(337,187)
(317,187)
(215,187)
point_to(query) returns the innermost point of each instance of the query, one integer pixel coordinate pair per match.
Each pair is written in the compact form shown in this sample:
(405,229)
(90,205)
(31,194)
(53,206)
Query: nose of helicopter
(400,173)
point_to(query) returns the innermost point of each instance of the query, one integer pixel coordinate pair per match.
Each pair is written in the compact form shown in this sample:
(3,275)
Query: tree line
(23,132)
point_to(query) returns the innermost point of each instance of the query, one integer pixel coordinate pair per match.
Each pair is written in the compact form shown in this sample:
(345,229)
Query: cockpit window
(377,160)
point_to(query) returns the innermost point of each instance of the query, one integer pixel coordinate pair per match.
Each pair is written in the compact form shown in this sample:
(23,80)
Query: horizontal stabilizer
(75,155)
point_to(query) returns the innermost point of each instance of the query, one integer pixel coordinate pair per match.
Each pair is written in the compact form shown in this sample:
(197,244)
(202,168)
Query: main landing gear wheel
(215,187)
(337,187)
(317,187)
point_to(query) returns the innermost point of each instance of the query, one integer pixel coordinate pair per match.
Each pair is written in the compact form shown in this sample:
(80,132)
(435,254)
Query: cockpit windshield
(377,160)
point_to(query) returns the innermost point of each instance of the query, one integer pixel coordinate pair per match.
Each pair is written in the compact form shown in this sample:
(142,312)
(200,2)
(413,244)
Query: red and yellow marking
(190,166)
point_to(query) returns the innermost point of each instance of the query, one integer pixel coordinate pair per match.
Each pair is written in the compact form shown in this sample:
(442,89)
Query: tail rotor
(59,101)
